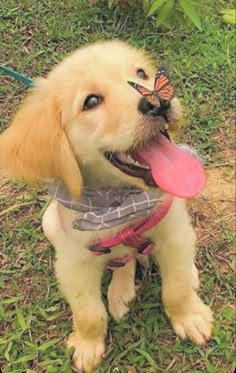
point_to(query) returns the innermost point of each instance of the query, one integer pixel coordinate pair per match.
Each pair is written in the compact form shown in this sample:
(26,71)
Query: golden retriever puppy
(80,127)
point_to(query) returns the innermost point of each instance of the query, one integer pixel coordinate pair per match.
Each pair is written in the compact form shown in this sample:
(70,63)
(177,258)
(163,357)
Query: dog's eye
(91,101)
(141,74)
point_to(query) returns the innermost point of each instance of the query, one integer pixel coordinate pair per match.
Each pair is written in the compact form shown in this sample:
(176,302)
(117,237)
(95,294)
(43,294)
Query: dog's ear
(35,146)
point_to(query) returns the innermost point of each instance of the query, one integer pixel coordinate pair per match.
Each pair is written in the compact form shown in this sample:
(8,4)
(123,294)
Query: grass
(34,318)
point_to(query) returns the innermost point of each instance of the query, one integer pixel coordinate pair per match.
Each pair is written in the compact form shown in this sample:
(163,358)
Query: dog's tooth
(130,159)
(126,158)
(144,166)
(122,157)
(141,165)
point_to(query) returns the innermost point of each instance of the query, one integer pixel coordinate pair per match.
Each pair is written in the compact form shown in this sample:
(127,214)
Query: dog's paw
(119,296)
(196,323)
(88,353)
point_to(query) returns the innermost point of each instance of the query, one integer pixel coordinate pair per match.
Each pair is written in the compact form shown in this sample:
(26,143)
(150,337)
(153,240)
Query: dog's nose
(147,108)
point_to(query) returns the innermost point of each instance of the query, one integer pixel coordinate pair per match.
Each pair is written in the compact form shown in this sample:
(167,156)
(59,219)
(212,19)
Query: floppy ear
(36,147)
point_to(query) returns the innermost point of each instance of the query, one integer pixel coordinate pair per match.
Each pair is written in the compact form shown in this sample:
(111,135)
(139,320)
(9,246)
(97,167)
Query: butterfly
(162,92)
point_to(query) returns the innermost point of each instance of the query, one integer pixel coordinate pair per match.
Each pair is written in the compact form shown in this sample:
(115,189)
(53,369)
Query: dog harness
(133,237)
(107,208)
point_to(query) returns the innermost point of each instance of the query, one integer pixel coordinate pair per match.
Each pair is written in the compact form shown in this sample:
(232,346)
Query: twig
(173,361)
(223,259)
(15,207)
(225,217)
(220,165)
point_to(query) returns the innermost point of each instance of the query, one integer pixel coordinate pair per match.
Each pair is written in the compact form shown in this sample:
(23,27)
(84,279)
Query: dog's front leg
(121,290)
(189,317)
(79,275)
(80,282)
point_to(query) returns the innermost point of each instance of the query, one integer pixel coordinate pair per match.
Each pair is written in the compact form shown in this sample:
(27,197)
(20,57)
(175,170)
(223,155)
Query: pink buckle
(129,237)
(146,247)
(147,250)
(126,233)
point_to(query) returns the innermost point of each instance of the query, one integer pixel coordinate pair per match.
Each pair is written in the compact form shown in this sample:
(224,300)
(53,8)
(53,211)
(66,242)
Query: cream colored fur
(52,137)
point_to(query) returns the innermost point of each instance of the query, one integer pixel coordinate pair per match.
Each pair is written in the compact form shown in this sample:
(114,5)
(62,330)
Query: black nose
(148,109)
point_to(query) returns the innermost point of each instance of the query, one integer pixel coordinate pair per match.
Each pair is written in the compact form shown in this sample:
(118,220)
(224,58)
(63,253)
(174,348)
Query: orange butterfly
(163,91)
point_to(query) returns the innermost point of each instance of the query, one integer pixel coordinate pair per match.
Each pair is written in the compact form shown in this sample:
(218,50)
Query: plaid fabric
(106,208)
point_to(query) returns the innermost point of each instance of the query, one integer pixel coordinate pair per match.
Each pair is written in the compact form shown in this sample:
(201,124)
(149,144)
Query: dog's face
(85,119)
(107,119)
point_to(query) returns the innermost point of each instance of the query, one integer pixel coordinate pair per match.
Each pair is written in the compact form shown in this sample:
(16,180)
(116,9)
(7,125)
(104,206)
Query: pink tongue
(174,170)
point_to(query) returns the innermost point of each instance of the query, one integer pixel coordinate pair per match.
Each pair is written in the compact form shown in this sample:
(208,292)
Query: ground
(35,319)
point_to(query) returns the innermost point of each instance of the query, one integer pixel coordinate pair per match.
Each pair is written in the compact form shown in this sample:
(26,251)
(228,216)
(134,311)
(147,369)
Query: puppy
(71,120)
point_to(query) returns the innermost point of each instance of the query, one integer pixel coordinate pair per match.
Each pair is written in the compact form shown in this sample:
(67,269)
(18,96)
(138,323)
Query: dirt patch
(224,138)
(214,210)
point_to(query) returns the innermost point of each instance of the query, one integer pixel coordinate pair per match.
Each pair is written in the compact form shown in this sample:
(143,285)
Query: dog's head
(84,123)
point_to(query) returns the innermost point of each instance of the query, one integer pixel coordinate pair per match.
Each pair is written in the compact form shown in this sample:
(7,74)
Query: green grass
(34,318)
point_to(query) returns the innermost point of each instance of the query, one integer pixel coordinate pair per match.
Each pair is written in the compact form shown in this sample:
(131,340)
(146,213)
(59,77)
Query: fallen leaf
(130,369)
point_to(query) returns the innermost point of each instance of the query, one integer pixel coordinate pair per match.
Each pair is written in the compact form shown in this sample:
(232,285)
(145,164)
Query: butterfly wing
(149,95)
(153,100)
(166,93)
(162,86)
(142,90)
(161,79)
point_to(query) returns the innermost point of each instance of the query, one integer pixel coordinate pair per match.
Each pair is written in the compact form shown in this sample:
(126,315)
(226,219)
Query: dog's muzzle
(146,108)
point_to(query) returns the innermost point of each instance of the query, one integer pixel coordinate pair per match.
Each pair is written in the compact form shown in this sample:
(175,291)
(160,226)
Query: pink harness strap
(132,237)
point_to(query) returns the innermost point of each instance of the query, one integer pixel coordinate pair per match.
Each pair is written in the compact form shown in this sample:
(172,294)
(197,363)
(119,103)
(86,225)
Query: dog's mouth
(162,164)
(129,163)
(126,163)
